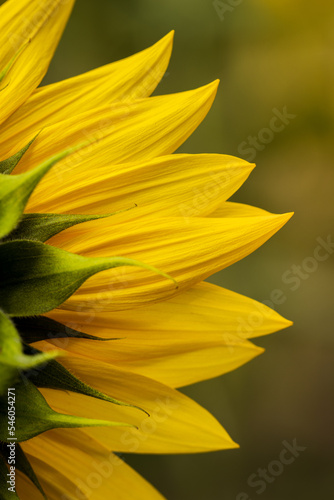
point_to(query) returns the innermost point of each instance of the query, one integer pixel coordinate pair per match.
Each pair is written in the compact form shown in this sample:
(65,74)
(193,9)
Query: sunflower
(107,238)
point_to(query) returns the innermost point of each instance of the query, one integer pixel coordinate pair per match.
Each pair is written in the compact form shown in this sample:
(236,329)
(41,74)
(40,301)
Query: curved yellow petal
(231,209)
(121,132)
(176,423)
(83,468)
(196,335)
(26,490)
(30,30)
(188,250)
(177,364)
(55,483)
(132,78)
(181,185)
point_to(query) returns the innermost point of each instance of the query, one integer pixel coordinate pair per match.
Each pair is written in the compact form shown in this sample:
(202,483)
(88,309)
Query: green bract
(43,328)
(34,415)
(12,357)
(7,166)
(15,191)
(36,278)
(55,376)
(41,227)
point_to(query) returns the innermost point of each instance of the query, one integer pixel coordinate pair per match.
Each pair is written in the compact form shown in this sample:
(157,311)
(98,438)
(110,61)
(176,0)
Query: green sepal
(22,464)
(56,376)
(7,166)
(41,227)
(15,191)
(12,357)
(5,494)
(37,278)
(39,328)
(34,416)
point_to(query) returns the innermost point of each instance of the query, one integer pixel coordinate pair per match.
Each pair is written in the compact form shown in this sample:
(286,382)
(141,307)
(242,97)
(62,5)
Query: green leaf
(22,464)
(41,227)
(5,494)
(42,328)
(56,376)
(36,277)
(12,357)
(7,166)
(15,191)
(34,415)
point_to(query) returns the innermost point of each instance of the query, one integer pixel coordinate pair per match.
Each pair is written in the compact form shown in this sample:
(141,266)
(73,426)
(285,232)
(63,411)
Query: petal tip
(289,215)
(167,40)
(282,219)
(212,86)
(209,90)
(215,84)
(286,217)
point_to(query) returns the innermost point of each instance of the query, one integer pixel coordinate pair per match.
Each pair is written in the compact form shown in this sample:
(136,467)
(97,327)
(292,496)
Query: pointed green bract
(7,166)
(15,191)
(41,227)
(56,376)
(42,328)
(22,464)
(37,278)
(12,357)
(34,416)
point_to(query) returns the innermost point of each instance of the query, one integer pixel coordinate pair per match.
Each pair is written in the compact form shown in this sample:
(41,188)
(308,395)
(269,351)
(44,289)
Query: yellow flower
(178,221)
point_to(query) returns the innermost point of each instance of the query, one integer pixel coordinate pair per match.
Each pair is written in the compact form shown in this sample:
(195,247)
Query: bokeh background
(269,55)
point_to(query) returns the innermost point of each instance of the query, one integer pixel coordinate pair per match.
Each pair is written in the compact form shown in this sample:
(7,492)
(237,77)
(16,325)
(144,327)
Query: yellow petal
(188,250)
(26,490)
(54,482)
(199,334)
(132,78)
(33,28)
(231,209)
(83,468)
(184,185)
(177,364)
(123,132)
(176,423)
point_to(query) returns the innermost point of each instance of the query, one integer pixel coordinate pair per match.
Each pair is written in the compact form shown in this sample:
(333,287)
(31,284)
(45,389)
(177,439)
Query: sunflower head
(106,240)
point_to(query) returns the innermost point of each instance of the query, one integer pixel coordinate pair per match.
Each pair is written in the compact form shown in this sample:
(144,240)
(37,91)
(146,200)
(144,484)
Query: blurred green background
(268,55)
